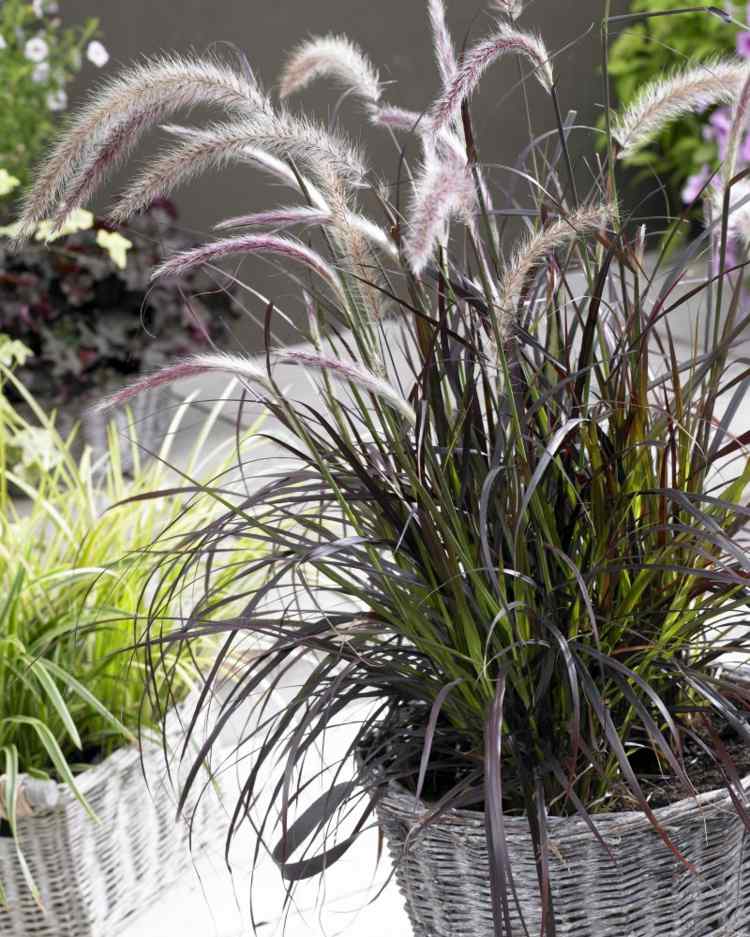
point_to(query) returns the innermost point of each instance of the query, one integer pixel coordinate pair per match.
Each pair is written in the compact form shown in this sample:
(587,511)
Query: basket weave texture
(92,877)
(443,871)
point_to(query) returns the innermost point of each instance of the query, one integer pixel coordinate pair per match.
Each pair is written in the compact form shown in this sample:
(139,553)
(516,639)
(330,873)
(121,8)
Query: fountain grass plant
(73,600)
(511,521)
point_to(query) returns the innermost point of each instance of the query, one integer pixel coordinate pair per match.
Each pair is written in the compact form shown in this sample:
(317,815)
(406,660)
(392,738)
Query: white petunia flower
(3,43)
(57,100)
(97,54)
(40,73)
(36,49)
(38,7)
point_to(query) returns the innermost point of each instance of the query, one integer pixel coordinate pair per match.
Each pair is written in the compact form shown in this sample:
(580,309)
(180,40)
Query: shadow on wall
(394,33)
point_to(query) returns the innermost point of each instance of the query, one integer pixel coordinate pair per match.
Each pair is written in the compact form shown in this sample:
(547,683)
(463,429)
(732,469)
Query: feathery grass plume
(532,251)
(309,215)
(511,8)
(371,231)
(353,374)
(443,189)
(738,219)
(445,53)
(689,91)
(478,59)
(740,110)
(272,244)
(330,159)
(323,152)
(331,56)
(199,151)
(398,118)
(194,366)
(107,128)
(282,217)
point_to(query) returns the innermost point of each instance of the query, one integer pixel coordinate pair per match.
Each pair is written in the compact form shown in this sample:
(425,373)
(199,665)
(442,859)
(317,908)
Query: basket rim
(119,760)
(398,798)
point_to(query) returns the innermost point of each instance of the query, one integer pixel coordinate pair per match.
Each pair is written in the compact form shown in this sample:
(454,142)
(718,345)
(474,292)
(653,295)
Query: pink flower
(718,129)
(694,185)
(743,43)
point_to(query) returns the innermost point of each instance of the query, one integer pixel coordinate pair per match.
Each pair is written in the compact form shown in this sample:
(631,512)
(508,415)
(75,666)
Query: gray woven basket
(443,872)
(93,876)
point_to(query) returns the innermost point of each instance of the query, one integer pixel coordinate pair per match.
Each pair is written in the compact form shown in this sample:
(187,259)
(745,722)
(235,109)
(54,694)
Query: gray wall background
(393,32)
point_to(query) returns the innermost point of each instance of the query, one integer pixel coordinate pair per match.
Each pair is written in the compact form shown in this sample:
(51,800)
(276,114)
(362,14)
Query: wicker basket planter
(92,876)
(443,872)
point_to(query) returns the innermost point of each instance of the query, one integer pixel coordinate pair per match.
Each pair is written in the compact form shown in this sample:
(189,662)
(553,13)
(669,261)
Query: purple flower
(718,129)
(743,43)
(694,185)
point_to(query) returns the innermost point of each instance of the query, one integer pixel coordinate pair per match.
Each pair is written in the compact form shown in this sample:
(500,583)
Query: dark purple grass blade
(430,733)
(500,871)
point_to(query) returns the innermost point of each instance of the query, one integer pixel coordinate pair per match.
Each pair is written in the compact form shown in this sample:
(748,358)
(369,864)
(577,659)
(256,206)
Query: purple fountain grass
(443,189)
(531,252)
(506,39)
(332,161)
(352,373)
(107,129)
(201,151)
(738,216)
(397,118)
(289,215)
(690,91)
(740,113)
(486,472)
(324,153)
(445,53)
(511,8)
(194,366)
(247,244)
(335,57)
(282,217)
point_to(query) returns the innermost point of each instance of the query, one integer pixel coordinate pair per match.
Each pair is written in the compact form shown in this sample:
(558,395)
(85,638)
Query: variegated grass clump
(75,554)
(512,488)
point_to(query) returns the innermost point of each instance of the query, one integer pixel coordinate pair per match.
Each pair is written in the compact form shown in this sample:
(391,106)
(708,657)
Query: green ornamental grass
(77,539)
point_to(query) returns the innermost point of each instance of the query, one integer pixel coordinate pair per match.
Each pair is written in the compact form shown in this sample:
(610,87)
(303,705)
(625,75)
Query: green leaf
(10,796)
(37,667)
(88,697)
(56,755)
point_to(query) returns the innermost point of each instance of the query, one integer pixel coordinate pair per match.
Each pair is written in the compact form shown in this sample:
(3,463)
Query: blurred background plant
(39,57)
(83,304)
(687,152)
(79,297)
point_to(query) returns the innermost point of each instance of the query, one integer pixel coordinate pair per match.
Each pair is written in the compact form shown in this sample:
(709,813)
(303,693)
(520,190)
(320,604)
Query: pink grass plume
(506,39)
